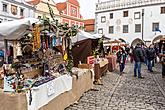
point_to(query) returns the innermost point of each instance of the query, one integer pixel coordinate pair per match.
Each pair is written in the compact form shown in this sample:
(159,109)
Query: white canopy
(12,30)
(82,35)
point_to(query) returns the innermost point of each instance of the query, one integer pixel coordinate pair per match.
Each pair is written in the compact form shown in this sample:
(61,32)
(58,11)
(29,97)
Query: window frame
(22,13)
(126,14)
(124,29)
(111,31)
(139,17)
(3,7)
(138,30)
(103,17)
(111,16)
(162,10)
(100,29)
(154,27)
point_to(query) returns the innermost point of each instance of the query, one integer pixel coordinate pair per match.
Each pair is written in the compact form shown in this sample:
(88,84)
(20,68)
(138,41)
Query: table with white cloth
(43,94)
(53,95)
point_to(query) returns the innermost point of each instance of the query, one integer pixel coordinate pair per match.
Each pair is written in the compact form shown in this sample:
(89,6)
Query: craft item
(9,84)
(37,40)
(19,50)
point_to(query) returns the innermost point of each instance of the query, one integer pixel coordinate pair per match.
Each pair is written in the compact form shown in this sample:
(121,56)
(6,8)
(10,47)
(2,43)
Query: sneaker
(141,77)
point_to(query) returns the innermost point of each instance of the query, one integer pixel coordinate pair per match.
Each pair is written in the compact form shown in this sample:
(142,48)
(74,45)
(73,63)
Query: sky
(87,7)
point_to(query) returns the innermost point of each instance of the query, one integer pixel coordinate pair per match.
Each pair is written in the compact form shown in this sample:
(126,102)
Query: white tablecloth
(45,93)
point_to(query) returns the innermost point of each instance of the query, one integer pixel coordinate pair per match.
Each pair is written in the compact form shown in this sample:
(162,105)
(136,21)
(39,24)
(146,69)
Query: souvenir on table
(9,84)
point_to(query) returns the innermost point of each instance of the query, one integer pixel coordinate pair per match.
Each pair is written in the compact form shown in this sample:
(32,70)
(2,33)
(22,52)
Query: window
(103,19)
(100,31)
(21,12)
(111,15)
(14,9)
(162,10)
(137,27)
(73,11)
(125,13)
(111,29)
(125,28)
(4,7)
(155,26)
(137,15)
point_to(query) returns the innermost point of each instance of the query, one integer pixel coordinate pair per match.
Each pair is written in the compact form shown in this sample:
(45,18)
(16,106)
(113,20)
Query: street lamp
(142,24)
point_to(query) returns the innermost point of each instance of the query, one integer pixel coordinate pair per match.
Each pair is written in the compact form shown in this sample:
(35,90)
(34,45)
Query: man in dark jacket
(151,55)
(138,58)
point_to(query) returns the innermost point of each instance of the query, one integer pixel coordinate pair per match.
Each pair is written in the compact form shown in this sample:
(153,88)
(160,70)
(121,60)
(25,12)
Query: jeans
(150,64)
(146,61)
(122,66)
(137,66)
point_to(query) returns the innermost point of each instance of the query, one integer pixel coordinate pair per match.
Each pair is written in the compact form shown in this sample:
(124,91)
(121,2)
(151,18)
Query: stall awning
(82,35)
(13,30)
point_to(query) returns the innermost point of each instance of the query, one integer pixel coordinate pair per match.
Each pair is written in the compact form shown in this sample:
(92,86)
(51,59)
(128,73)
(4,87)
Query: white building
(131,19)
(15,9)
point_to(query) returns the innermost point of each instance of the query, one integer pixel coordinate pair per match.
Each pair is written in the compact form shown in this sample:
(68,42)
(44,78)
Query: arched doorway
(157,38)
(137,40)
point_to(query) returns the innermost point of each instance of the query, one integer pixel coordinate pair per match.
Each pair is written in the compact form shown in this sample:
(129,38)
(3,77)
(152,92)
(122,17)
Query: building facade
(131,19)
(42,10)
(15,9)
(71,14)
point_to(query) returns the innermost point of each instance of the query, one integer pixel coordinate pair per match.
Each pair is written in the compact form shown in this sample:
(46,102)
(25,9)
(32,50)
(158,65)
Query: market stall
(37,73)
(45,98)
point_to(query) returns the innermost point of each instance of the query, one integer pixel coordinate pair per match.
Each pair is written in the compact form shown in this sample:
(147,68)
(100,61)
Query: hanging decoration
(36,40)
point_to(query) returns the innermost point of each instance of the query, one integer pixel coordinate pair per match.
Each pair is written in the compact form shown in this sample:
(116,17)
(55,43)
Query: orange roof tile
(75,2)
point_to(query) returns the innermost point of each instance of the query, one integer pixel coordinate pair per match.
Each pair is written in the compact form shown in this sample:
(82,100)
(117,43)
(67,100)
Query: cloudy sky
(87,7)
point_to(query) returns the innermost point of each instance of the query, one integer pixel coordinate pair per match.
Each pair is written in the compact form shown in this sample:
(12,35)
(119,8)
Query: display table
(100,68)
(60,102)
(111,62)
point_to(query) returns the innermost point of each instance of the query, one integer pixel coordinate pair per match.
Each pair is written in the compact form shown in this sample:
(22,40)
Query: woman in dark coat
(121,58)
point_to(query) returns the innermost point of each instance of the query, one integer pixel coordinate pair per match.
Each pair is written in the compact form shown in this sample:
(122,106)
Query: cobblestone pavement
(158,76)
(124,93)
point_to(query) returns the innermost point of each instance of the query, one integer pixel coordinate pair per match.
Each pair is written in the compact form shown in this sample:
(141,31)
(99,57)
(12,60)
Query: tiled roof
(75,2)
(89,21)
(89,25)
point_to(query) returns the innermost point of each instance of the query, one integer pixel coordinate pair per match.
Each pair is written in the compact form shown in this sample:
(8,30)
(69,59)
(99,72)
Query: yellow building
(42,10)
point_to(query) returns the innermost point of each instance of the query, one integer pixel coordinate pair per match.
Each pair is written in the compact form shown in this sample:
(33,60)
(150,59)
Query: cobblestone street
(125,92)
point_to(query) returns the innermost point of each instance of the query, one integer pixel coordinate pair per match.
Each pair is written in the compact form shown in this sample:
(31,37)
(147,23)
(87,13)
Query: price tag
(50,88)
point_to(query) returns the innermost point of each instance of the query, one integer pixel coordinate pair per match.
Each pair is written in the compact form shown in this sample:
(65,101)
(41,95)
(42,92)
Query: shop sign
(90,60)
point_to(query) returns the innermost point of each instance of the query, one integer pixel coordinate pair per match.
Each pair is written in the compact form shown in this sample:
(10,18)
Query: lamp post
(142,24)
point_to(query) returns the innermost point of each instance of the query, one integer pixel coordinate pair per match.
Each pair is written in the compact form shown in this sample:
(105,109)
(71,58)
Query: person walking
(138,58)
(162,57)
(144,50)
(121,58)
(131,54)
(151,55)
